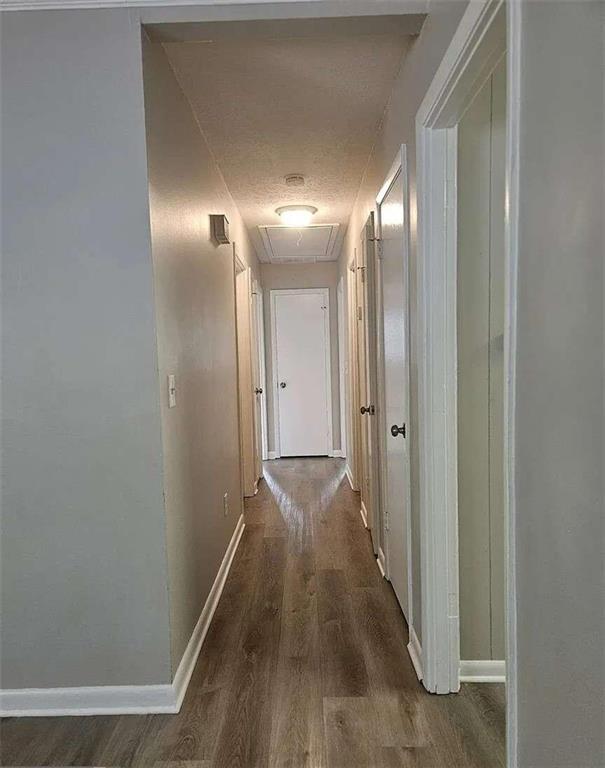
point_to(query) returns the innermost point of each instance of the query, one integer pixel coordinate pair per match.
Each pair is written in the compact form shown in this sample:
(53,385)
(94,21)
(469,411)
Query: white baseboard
(89,700)
(336,453)
(125,699)
(415,651)
(273,455)
(483,671)
(364,514)
(350,477)
(194,646)
(382,562)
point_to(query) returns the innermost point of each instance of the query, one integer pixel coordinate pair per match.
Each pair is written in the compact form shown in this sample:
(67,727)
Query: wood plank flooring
(304,665)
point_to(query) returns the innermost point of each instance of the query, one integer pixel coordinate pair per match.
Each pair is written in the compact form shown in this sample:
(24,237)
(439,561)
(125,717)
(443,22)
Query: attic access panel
(299,244)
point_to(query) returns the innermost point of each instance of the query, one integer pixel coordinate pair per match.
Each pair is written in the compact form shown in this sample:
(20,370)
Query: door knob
(367,409)
(282,384)
(258,391)
(395,430)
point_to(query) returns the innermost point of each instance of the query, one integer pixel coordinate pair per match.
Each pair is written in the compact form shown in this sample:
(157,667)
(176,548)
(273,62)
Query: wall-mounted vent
(219,228)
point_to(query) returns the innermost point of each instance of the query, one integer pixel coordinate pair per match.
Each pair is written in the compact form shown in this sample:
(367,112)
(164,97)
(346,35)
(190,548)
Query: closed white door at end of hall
(302,374)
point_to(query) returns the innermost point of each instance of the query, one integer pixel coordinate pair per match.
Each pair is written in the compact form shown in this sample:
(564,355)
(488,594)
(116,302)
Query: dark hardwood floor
(305,663)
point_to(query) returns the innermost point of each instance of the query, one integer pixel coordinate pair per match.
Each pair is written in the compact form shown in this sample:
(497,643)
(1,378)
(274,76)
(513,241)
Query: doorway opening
(328,307)
(466,316)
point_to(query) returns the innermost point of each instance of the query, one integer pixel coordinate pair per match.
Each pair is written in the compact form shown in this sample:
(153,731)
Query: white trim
(483,671)
(125,699)
(415,651)
(381,562)
(513,80)
(342,365)
(32,5)
(88,700)
(273,455)
(477,45)
(325,293)
(337,453)
(364,514)
(326,8)
(349,477)
(399,166)
(189,659)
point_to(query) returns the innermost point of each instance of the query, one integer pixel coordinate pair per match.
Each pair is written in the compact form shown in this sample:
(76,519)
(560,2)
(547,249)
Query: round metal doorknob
(258,391)
(282,384)
(366,409)
(396,431)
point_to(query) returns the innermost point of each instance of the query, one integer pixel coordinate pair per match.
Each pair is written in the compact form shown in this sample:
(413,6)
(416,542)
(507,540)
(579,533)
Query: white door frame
(399,166)
(342,366)
(478,44)
(325,294)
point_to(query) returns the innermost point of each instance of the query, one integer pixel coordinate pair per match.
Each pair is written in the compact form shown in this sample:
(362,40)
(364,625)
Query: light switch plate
(171,390)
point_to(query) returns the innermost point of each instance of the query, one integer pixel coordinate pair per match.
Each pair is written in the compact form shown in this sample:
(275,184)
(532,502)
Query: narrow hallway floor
(305,663)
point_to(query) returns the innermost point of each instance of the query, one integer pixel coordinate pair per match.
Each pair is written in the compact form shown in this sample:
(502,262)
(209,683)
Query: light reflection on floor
(318,487)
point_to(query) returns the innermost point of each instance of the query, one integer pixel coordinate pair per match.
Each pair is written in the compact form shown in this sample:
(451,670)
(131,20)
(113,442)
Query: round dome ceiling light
(296,215)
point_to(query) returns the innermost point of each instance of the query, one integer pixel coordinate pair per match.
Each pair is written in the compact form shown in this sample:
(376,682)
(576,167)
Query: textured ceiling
(272,107)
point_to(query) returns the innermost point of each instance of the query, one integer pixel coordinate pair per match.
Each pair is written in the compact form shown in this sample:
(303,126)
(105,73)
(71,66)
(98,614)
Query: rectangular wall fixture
(219,228)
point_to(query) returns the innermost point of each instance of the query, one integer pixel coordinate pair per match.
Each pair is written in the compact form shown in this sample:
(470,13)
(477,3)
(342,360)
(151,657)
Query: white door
(367,363)
(258,369)
(243,290)
(301,367)
(392,215)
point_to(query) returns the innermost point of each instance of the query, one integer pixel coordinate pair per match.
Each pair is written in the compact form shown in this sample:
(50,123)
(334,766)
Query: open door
(367,367)
(245,356)
(394,360)
(258,375)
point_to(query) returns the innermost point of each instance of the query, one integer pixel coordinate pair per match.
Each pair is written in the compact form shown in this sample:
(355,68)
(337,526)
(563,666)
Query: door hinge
(359,313)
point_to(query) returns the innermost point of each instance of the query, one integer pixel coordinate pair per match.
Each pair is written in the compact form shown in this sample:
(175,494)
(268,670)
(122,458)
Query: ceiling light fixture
(296,215)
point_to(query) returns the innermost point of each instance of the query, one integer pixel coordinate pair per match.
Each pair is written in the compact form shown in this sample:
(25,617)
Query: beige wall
(398,127)
(195,318)
(318,275)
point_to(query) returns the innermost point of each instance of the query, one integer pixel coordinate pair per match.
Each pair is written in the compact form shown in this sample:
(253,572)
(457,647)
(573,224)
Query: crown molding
(311,7)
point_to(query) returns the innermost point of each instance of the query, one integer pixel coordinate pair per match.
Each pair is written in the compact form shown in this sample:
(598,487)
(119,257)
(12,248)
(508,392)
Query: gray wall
(398,127)
(318,275)
(84,598)
(195,310)
(559,388)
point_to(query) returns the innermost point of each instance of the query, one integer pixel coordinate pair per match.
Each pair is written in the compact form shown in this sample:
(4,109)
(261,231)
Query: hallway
(304,665)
